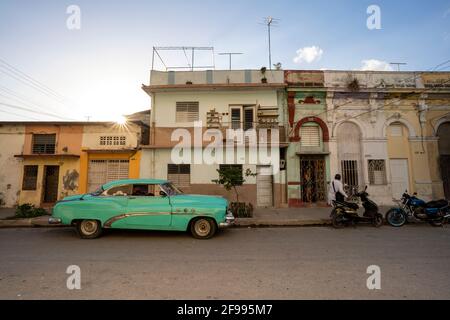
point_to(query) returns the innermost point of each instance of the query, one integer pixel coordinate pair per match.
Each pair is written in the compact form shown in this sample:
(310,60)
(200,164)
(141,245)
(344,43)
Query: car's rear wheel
(203,228)
(88,229)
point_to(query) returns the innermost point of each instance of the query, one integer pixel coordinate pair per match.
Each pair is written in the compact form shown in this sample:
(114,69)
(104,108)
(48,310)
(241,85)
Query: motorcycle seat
(437,204)
(347,204)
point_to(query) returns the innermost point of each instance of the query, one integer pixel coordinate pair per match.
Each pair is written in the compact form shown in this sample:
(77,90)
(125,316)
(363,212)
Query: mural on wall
(70,180)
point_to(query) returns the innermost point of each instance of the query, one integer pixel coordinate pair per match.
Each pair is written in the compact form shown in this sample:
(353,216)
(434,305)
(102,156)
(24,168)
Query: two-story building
(247,100)
(386,130)
(42,162)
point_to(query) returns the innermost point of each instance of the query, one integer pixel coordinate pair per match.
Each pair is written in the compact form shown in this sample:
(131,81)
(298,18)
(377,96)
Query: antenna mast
(269,22)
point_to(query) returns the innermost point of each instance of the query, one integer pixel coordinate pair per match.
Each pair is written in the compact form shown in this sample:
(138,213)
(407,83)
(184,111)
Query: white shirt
(339,187)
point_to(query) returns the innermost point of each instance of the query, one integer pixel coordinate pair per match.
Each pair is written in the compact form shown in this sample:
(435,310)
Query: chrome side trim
(110,221)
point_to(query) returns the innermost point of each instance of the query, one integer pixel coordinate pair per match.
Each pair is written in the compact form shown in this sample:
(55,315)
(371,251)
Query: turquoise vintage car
(146,204)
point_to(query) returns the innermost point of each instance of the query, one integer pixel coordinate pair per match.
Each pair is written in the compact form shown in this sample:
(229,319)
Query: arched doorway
(349,154)
(444,156)
(312,164)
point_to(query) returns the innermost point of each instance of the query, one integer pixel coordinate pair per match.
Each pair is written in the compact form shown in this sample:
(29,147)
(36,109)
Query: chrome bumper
(229,221)
(53,220)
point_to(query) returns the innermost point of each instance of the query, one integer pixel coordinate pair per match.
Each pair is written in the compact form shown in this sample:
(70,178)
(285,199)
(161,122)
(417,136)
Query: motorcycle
(345,213)
(411,208)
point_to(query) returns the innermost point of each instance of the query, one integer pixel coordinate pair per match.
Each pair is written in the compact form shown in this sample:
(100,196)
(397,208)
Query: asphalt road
(278,263)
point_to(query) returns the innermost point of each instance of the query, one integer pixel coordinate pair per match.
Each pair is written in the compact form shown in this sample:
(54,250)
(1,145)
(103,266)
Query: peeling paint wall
(12,139)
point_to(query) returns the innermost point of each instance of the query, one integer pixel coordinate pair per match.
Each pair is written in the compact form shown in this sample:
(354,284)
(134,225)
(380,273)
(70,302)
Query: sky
(49,71)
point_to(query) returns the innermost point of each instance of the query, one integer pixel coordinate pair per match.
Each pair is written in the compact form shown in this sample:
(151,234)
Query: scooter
(346,213)
(411,208)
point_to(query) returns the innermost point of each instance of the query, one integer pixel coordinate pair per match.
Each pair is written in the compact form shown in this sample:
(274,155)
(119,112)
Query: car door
(149,210)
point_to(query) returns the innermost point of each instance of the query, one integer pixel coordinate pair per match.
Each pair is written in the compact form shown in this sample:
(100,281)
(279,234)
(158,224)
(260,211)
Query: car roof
(133,181)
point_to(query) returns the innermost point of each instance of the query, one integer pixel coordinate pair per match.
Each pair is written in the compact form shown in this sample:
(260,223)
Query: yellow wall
(133,157)
(399,148)
(67,166)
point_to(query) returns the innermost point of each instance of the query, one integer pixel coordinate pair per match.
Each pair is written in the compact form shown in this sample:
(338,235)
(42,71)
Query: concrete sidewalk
(295,217)
(7,220)
(270,217)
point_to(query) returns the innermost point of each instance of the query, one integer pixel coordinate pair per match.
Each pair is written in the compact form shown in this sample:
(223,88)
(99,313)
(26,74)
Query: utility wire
(31,110)
(32,80)
(18,115)
(19,99)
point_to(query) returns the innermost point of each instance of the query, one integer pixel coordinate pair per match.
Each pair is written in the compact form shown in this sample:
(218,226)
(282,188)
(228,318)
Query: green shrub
(28,210)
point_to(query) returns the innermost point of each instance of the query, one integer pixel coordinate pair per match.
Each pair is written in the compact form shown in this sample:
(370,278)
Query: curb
(261,223)
(28,223)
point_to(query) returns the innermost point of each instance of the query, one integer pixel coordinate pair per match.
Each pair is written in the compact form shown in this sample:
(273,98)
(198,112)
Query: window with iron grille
(231,166)
(349,169)
(44,143)
(179,174)
(29,177)
(112,140)
(187,111)
(377,172)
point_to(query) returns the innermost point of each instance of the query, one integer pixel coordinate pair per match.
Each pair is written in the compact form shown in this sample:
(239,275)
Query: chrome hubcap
(202,227)
(89,227)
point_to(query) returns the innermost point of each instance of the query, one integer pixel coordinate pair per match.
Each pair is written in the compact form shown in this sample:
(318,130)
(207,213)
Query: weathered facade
(387,130)
(12,137)
(42,162)
(221,100)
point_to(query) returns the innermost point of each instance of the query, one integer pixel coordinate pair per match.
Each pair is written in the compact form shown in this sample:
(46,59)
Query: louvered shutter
(179,174)
(310,136)
(187,111)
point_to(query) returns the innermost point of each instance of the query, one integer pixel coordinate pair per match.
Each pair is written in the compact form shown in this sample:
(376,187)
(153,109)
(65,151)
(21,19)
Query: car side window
(141,190)
(146,190)
(123,190)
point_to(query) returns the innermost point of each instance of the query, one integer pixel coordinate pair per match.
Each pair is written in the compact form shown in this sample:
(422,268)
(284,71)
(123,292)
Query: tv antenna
(229,54)
(398,64)
(270,22)
(191,65)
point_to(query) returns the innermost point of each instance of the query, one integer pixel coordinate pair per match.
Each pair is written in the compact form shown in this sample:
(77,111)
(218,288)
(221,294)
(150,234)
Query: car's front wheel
(89,229)
(203,228)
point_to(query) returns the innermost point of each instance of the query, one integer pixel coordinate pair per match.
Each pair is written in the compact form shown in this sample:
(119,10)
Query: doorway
(312,179)
(444,156)
(51,178)
(264,186)
(399,177)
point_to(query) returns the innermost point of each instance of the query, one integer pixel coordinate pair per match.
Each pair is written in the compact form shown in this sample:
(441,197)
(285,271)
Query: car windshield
(98,192)
(170,189)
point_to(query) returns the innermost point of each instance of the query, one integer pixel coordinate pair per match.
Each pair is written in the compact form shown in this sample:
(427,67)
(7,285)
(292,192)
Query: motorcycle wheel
(395,218)
(338,220)
(437,223)
(378,220)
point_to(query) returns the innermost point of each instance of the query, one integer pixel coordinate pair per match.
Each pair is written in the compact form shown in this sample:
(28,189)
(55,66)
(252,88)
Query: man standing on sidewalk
(336,190)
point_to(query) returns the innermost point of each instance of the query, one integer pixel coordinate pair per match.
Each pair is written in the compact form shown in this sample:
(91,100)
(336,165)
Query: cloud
(447,13)
(375,65)
(308,54)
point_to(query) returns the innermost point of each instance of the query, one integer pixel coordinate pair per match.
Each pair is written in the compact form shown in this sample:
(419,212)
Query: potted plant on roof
(231,178)
(263,72)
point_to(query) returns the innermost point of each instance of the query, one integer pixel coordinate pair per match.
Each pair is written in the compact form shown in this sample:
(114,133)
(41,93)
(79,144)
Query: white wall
(12,138)
(164,109)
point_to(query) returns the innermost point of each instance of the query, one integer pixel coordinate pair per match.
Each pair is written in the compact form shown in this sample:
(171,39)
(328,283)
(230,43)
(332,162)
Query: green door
(149,211)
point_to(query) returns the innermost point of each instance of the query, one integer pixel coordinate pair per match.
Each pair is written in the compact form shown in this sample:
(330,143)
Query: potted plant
(263,72)
(231,178)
